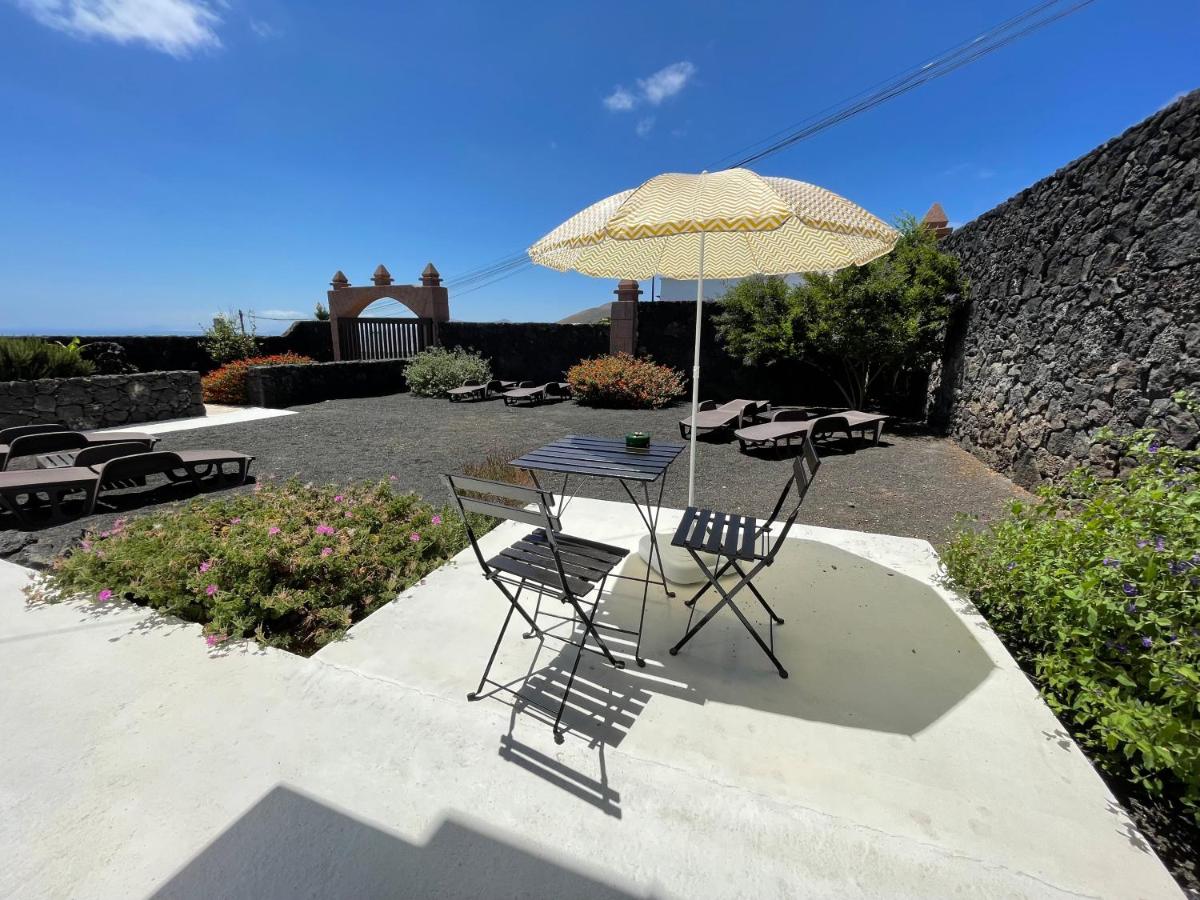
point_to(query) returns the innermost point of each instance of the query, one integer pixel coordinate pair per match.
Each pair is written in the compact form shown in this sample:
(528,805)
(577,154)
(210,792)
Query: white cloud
(666,82)
(177,27)
(264,30)
(283,314)
(644,126)
(620,100)
(662,85)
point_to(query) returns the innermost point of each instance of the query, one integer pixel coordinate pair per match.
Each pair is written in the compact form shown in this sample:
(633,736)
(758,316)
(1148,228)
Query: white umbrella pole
(696,378)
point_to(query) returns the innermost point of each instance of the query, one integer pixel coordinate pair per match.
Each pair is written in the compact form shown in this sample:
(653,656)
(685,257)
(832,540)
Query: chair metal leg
(474,695)
(761,599)
(590,628)
(558,735)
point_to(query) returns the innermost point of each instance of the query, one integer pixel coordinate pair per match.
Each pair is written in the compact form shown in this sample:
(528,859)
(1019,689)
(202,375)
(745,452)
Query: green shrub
(291,565)
(27,358)
(622,381)
(434,371)
(1096,591)
(228,383)
(225,342)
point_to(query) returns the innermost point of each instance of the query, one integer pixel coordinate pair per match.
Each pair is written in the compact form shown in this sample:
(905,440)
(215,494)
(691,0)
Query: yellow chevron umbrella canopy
(728,224)
(752,225)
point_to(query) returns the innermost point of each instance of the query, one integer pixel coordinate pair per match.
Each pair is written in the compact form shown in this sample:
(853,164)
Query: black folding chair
(548,561)
(742,539)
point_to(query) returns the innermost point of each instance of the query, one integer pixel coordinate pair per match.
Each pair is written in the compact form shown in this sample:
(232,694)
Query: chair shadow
(289,844)
(866,647)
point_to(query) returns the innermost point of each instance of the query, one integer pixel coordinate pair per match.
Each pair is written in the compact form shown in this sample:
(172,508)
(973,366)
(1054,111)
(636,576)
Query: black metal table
(598,457)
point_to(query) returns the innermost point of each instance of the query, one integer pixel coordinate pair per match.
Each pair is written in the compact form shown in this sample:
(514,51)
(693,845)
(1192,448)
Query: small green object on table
(638,440)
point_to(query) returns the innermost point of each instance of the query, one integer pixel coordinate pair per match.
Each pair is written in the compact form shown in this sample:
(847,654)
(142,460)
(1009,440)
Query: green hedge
(1096,591)
(24,359)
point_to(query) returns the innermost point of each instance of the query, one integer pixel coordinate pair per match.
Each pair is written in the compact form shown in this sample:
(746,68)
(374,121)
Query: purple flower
(1122,648)
(436,520)
(1153,448)
(274,529)
(338,499)
(1143,543)
(414,537)
(236,520)
(205,566)
(86,545)
(105,595)
(104,534)
(1129,588)
(1011,566)
(212,640)
(348,515)
(324,529)
(1110,562)
(210,590)
(1160,543)
(1171,638)
(326,551)
(1147,643)
(1178,567)
(1131,608)
(393,478)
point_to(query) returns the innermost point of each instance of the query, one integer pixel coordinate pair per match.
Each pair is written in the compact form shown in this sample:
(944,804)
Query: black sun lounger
(478,390)
(61,443)
(710,417)
(111,465)
(786,425)
(533,394)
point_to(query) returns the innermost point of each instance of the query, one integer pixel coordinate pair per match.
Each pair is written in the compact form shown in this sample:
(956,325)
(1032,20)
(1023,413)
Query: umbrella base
(677,565)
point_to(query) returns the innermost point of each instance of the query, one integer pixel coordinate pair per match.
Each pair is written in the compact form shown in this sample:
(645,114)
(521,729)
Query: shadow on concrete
(866,647)
(291,845)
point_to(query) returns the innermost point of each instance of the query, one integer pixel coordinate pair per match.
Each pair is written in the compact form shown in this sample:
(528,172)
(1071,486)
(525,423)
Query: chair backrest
(789,415)
(478,495)
(102,453)
(472,382)
(804,470)
(44,442)
(494,386)
(16,431)
(137,464)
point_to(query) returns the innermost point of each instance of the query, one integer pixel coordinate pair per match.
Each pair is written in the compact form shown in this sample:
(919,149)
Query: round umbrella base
(677,565)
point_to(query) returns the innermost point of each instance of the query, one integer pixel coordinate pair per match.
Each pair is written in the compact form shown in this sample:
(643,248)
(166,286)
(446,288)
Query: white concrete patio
(906,756)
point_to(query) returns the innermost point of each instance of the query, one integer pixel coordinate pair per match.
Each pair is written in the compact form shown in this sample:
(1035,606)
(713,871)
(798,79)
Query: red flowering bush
(624,382)
(228,383)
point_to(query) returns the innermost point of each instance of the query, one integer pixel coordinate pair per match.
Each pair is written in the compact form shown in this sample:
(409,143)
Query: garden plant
(28,358)
(621,381)
(1096,591)
(225,342)
(436,370)
(289,564)
(228,383)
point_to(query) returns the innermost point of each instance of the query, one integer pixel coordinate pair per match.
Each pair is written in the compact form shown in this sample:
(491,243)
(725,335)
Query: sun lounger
(531,393)
(786,425)
(710,417)
(478,390)
(108,466)
(61,442)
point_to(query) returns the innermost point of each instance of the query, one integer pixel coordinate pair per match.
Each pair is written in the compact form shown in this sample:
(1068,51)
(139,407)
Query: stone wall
(1084,307)
(101,401)
(278,387)
(527,351)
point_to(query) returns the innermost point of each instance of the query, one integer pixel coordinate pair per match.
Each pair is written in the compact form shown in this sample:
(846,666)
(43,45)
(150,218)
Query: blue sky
(166,159)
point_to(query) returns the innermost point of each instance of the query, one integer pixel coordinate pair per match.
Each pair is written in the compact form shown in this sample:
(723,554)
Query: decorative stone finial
(431,277)
(628,290)
(382,276)
(339,280)
(937,220)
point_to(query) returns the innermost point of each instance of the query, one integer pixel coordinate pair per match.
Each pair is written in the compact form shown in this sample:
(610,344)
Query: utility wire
(958,56)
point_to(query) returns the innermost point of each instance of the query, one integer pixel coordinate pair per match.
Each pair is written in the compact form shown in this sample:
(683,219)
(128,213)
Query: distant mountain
(588,316)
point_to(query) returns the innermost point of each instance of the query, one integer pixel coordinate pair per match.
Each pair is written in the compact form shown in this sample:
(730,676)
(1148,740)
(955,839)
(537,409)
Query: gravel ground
(912,484)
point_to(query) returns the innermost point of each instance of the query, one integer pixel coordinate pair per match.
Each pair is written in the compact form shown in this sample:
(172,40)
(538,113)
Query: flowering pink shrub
(267,564)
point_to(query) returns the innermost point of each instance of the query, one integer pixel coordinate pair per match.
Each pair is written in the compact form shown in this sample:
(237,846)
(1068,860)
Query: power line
(958,56)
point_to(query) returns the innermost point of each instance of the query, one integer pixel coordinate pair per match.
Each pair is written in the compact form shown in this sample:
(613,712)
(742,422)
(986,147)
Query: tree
(322,313)
(858,324)
(224,341)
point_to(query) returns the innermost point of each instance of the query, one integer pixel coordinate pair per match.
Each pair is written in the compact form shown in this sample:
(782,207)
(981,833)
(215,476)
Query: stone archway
(428,300)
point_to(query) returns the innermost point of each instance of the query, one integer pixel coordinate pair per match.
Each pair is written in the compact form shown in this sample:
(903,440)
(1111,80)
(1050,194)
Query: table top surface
(602,457)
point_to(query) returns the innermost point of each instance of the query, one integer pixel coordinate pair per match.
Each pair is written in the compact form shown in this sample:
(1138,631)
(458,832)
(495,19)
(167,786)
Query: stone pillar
(339,282)
(937,219)
(622,332)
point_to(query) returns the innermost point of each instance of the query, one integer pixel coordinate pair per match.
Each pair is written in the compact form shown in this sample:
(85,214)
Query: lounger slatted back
(743,540)
(547,561)
(15,431)
(732,414)
(44,442)
(533,394)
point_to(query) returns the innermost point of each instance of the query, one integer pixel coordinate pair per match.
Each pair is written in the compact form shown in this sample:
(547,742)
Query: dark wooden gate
(384,338)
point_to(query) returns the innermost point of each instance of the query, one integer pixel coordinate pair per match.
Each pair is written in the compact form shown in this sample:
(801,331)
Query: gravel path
(912,484)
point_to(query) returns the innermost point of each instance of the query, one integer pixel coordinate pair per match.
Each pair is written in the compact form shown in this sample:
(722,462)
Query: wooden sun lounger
(786,425)
(710,417)
(478,390)
(111,465)
(62,445)
(528,392)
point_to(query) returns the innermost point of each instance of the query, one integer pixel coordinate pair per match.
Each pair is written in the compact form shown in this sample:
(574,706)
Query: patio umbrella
(726,224)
